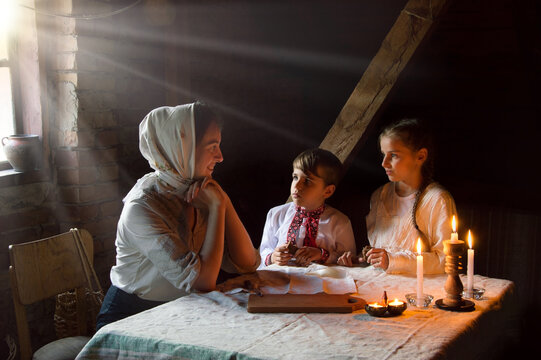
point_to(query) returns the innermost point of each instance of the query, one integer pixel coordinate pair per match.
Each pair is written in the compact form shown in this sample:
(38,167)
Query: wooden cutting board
(304,303)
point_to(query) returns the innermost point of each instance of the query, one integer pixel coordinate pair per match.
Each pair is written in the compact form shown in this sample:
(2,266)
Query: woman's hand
(306,254)
(205,193)
(280,255)
(347,259)
(378,258)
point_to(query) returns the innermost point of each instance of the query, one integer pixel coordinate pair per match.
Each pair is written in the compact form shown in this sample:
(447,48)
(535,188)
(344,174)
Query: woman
(178,227)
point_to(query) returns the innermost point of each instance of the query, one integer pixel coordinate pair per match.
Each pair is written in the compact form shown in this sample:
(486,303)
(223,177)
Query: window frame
(12,64)
(26,50)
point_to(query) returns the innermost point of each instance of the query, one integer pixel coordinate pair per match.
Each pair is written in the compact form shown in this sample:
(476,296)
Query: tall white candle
(469,286)
(419,273)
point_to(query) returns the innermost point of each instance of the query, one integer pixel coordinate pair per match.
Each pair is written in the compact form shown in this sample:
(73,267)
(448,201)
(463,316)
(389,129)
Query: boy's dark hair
(204,115)
(330,167)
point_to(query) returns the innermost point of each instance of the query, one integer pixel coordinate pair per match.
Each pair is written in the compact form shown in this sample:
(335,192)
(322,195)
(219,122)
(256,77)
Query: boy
(308,230)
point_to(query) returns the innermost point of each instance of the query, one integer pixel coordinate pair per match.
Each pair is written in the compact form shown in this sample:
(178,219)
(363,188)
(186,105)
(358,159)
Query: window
(6,83)
(19,40)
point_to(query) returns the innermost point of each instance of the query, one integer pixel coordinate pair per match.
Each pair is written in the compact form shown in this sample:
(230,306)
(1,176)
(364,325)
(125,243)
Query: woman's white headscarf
(167,141)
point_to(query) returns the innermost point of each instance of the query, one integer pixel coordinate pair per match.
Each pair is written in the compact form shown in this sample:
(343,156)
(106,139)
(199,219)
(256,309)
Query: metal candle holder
(453,249)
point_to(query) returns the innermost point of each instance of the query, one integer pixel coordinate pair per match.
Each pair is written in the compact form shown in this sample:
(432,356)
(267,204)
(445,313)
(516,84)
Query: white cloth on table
(216,325)
(389,226)
(156,254)
(334,234)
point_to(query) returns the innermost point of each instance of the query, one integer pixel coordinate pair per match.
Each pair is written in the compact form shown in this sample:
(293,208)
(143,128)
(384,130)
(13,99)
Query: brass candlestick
(453,249)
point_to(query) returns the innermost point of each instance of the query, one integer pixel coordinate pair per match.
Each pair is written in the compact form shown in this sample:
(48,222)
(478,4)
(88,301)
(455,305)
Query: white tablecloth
(217,326)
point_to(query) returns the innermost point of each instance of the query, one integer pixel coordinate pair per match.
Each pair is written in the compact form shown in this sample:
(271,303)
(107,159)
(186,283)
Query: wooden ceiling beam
(410,29)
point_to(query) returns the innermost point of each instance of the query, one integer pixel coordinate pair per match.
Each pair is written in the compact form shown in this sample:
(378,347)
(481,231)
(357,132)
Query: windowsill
(11,177)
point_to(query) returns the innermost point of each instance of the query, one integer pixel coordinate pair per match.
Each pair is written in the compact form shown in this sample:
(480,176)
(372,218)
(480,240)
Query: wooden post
(409,30)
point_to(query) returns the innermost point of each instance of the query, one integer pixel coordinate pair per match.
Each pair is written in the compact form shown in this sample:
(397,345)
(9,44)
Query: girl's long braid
(418,196)
(427,172)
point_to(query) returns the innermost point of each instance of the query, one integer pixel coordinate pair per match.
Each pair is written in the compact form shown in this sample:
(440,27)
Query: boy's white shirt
(335,233)
(389,226)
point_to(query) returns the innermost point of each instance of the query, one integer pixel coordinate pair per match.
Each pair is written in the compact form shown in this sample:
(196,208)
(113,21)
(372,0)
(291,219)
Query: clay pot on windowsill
(22,151)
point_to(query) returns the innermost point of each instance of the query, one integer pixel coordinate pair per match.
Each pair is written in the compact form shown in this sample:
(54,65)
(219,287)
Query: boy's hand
(378,258)
(347,259)
(306,254)
(280,255)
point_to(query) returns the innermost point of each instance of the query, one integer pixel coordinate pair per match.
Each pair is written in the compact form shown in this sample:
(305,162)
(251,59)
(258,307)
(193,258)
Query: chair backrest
(44,268)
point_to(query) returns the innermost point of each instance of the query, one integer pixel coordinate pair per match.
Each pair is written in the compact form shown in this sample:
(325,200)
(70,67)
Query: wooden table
(217,326)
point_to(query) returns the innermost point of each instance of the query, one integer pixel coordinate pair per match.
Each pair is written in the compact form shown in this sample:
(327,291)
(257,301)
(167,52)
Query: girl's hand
(347,259)
(280,255)
(378,257)
(306,254)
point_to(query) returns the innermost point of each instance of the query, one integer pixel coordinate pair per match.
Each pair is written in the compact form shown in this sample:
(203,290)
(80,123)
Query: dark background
(280,72)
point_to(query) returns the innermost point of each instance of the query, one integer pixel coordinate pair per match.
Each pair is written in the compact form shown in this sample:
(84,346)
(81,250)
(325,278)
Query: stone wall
(102,79)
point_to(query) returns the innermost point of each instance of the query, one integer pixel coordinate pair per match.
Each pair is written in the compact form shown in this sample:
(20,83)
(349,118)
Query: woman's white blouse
(157,256)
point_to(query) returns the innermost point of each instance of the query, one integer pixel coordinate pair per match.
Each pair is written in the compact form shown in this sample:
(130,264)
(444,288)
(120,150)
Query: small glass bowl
(375,310)
(424,302)
(477,294)
(396,309)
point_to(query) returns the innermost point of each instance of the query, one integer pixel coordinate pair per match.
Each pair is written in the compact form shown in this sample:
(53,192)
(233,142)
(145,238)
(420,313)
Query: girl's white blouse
(389,225)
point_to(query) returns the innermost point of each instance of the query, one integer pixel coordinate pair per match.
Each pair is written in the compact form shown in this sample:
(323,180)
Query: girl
(409,207)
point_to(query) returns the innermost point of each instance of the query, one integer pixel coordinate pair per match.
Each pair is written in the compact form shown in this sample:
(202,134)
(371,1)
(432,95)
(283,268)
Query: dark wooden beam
(410,29)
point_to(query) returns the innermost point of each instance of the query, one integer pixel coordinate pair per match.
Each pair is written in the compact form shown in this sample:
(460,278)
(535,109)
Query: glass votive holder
(396,307)
(375,309)
(476,294)
(423,302)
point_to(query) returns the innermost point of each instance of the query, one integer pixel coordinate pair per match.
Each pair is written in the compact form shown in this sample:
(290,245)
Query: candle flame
(470,239)
(454,224)
(375,304)
(419,246)
(396,302)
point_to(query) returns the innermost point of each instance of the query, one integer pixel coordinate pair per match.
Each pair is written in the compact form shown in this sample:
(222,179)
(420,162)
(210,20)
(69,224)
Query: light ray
(268,53)
(226,109)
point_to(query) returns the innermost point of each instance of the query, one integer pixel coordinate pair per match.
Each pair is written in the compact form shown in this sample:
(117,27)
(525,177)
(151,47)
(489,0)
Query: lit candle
(454,234)
(419,273)
(396,302)
(376,309)
(396,307)
(469,287)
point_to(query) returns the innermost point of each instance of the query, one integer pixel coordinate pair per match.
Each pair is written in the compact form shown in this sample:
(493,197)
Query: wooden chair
(42,269)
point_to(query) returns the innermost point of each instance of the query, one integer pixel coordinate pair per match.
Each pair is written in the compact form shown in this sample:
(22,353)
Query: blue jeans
(118,304)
